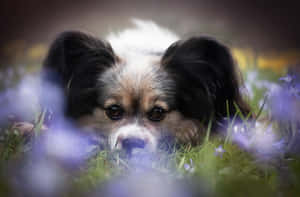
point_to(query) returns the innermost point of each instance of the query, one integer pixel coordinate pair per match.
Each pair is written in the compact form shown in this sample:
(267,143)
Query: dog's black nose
(129,144)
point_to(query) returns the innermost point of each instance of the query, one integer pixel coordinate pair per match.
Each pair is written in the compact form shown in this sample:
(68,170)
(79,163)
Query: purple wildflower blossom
(189,167)
(287,79)
(284,103)
(219,151)
(260,139)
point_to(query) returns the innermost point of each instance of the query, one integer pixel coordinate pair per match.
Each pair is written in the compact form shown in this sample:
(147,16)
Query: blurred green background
(263,34)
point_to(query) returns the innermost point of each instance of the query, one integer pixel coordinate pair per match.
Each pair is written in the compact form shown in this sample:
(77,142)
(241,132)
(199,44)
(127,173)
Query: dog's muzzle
(132,137)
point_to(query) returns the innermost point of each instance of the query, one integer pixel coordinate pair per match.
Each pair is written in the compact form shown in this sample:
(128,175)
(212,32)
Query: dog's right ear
(73,53)
(73,66)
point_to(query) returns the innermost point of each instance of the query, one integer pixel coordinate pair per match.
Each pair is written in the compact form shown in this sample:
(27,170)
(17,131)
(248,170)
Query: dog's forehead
(138,74)
(135,74)
(137,80)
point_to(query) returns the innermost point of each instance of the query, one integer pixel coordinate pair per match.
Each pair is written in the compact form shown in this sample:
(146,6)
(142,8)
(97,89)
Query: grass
(235,172)
(12,144)
(223,166)
(225,174)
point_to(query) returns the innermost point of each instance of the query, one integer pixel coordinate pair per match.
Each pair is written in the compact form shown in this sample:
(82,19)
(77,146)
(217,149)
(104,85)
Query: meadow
(252,157)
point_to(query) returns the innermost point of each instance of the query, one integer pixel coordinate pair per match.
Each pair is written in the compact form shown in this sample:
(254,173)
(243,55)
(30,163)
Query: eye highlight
(156,114)
(114,112)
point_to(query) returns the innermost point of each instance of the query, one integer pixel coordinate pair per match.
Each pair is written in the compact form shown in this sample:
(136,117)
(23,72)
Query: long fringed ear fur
(73,64)
(205,77)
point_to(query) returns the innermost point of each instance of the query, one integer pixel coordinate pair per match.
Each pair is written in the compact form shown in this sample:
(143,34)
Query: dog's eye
(156,114)
(114,112)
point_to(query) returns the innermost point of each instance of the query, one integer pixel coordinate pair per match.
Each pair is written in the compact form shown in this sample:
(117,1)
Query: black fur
(202,68)
(205,78)
(74,63)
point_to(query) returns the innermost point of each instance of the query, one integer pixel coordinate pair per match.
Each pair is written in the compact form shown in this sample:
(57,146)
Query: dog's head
(137,96)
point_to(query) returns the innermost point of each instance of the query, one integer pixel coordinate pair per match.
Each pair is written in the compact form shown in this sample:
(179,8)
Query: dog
(144,83)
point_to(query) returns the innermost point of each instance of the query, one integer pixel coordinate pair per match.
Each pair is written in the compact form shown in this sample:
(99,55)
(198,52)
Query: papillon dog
(142,84)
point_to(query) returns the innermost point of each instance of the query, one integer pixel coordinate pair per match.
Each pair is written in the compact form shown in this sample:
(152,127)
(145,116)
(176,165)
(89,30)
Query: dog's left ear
(205,77)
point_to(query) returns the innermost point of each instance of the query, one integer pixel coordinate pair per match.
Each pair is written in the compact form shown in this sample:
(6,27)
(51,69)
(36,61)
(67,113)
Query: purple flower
(189,167)
(295,91)
(284,104)
(287,79)
(219,151)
